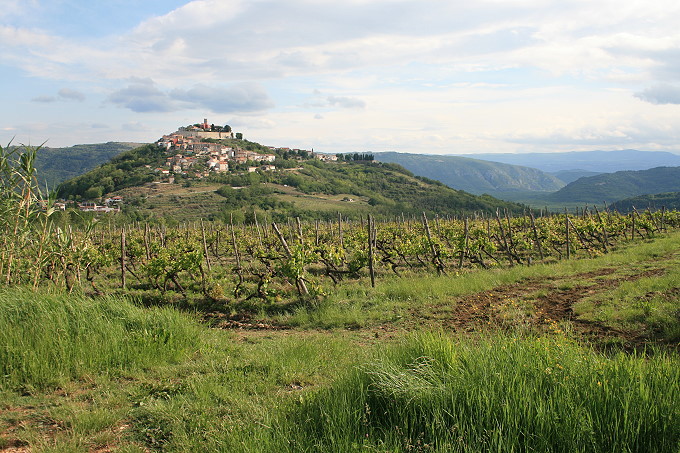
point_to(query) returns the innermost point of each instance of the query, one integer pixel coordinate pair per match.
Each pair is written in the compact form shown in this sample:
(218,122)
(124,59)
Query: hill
(56,165)
(307,188)
(129,168)
(474,175)
(568,176)
(620,185)
(670,200)
(597,161)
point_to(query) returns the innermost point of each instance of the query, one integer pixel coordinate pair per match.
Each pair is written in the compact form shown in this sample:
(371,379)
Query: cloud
(71,95)
(245,97)
(142,96)
(44,99)
(64,94)
(346,102)
(319,100)
(661,94)
(12,8)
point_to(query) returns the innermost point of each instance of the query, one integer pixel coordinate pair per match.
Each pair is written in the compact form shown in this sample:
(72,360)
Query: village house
(326,157)
(189,141)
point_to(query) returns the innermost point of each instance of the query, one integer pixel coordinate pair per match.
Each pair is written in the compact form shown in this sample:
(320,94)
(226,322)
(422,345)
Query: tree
(226,128)
(239,136)
(93,192)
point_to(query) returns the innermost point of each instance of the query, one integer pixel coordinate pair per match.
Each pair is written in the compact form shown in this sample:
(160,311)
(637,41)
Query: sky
(419,76)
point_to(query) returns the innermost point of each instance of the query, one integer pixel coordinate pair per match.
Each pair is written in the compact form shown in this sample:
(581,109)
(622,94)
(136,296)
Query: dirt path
(540,304)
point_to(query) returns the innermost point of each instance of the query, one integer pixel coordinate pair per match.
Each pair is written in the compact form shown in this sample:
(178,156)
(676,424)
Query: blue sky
(426,76)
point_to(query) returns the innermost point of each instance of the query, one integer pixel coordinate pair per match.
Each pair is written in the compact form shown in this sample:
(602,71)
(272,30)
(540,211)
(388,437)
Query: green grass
(96,375)
(46,340)
(355,304)
(648,305)
(433,393)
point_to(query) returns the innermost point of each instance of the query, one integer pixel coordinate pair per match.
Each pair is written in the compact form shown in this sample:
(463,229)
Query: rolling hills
(620,185)
(475,175)
(306,188)
(56,165)
(669,200)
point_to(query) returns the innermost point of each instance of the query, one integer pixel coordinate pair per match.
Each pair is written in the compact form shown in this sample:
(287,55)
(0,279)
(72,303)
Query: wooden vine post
(205,247)
(466,240)
(239,270)
(371,239)
(536,237)
(566,227)
(122,257)
(436,260)
(506,246)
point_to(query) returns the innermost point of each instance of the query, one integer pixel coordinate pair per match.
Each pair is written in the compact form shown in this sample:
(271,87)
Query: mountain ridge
(597,161)
(476,176)
(620,185)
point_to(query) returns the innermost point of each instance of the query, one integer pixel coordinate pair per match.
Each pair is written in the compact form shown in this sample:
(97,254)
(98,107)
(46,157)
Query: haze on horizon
(427,76)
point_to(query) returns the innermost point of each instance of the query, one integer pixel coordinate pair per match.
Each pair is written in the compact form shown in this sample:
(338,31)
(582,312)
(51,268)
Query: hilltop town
(196,152)
(199,149)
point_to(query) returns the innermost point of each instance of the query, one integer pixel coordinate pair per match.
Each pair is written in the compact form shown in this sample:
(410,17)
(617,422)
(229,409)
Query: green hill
(473,175)
(670,200)
(129,168)
(307,188)
(620,185)
(56,165)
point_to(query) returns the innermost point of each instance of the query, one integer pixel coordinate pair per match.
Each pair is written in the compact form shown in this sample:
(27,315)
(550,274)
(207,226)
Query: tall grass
(48,339)
(501,394)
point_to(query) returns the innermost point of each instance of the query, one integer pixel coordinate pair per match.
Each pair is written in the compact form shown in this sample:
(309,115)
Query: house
(326,157)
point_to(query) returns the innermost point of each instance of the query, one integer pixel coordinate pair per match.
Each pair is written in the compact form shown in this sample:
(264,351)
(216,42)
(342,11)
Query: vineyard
(485,332)
(230,263)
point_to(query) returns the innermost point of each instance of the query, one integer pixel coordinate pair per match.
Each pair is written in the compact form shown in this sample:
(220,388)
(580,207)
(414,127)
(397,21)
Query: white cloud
(661,94)
(142,96)
(245,97)
(392,72)
(14,8)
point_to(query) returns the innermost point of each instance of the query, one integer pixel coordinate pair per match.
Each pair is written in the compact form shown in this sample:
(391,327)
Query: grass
(46,340)
(357,305)
(648,305)
(99,375)
(433,393)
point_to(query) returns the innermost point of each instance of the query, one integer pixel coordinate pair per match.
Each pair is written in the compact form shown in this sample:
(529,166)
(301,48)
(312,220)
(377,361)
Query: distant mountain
(568,176)
(596,161)
(56,165)
(670,200)
(620,185)
(474,175)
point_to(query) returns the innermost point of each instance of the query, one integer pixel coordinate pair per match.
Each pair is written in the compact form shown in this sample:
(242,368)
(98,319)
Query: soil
(540,304)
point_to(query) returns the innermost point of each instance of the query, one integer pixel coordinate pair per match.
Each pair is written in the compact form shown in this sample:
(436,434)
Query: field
(576,355)
(488,333)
